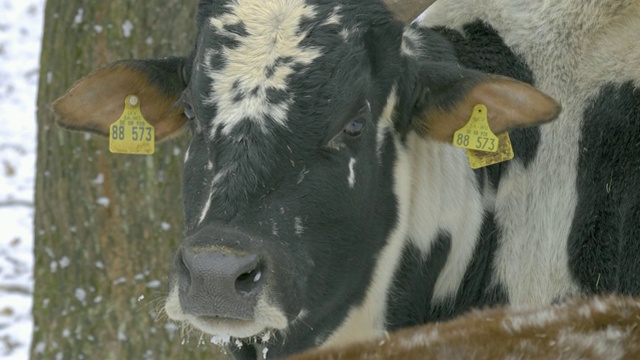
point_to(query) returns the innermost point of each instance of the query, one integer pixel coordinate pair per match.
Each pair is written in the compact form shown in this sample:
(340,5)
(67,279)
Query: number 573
(482,142)
(138,133)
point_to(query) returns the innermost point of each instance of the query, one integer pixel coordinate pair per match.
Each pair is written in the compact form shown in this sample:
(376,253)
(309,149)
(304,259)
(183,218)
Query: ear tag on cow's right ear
(484,148)
(131,133)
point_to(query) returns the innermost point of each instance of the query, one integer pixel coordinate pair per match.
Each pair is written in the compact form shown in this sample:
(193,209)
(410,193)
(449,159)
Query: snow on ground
(20,33)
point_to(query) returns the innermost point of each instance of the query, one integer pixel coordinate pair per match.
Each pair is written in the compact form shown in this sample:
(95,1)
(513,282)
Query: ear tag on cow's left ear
(131,133)
(484,148)
(479,159)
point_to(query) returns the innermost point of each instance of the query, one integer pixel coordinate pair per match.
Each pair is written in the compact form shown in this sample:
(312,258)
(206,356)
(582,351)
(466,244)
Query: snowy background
(20,33)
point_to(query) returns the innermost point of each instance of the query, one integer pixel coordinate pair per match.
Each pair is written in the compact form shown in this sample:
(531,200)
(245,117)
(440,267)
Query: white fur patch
(255,67)
(335,18)
(411,42)
(207,205)
(387,113)
(298,226)
(216,180)
(352,174)
(186,154)
(445,198)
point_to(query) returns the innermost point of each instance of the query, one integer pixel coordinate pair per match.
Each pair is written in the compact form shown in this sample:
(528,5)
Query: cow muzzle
(223,290)
(213,284)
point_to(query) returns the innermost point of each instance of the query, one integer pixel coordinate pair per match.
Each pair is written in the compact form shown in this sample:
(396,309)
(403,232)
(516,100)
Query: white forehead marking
(352,173)
(262,61)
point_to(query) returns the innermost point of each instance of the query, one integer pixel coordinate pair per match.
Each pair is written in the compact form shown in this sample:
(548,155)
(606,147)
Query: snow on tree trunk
(106,225)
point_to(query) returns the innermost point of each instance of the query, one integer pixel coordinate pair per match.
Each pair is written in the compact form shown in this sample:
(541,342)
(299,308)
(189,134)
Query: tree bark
(106,225)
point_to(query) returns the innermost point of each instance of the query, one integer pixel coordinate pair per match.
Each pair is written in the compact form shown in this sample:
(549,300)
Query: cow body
(602,327)
(555,207)
(324,203)
(594,328)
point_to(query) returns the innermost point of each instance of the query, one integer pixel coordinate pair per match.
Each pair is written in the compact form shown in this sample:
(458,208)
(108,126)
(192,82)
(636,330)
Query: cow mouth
(265,343)
(225,330)
(249,348)
(244,339)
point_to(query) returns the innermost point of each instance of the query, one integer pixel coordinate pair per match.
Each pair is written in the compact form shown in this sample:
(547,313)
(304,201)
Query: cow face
(284,187)
(296,178)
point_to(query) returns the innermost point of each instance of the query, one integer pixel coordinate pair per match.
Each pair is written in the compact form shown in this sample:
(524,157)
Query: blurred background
(20,34)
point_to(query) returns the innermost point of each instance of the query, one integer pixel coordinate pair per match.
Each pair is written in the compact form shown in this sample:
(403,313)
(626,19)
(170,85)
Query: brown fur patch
(603,327)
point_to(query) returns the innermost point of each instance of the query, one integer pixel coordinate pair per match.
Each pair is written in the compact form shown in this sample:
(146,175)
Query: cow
(600,327)
(324,201)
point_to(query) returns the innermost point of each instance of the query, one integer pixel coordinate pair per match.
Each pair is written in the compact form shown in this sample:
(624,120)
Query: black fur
(410,297)
(605,236)
(412,290)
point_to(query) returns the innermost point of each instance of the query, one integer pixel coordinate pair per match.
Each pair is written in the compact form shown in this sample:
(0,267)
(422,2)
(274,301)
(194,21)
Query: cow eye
(195,126)
(355,127)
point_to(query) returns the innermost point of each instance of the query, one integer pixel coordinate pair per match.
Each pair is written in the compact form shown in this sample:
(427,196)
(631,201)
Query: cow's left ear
(97,100)
(448,94)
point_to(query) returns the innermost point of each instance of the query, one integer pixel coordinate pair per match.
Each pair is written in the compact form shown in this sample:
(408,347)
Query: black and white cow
(323,201)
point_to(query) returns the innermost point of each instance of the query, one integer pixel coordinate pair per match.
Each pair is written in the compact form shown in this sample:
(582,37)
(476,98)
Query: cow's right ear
(97,100)
(448,93)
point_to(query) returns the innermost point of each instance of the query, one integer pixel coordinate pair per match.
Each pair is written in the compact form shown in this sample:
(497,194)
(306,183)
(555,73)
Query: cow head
(296,178)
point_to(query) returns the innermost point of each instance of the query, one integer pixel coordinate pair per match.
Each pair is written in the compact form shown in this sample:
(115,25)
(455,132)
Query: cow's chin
(268,319)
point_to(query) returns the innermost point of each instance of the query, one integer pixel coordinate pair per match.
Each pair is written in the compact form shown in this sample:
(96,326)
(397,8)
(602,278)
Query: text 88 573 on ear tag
(131,133)
(483,147)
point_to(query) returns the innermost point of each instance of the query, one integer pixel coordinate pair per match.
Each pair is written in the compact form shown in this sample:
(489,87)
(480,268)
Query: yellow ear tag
(484,148)
(131,133)
(478,159)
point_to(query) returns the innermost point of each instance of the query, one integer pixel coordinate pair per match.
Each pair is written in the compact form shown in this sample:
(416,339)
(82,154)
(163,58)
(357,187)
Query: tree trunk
(106,225)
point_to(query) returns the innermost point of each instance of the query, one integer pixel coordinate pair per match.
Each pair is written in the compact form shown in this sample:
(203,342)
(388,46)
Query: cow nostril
(248,282)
